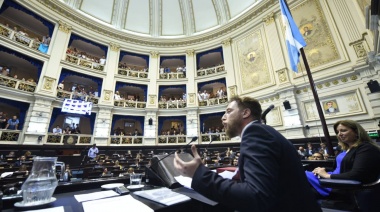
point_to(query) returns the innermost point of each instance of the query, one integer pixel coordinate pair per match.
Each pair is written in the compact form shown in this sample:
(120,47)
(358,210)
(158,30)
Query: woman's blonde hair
(361,135)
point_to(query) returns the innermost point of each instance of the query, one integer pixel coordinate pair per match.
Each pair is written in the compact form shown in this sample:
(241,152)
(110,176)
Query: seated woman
(313,178)
(362,158)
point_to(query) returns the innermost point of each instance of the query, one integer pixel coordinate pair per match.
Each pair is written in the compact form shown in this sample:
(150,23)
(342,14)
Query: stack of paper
(163,195)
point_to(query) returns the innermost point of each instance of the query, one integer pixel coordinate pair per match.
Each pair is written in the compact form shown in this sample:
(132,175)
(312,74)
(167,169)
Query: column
(191,90)
(152,87)
(52,69)
(150,131)
(110,69)
(229,67)
(37,120)
(292,120)
(102,127)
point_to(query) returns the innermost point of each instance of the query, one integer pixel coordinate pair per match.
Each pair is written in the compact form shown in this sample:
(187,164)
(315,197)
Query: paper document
(227,174)
(185,181)
(120,203)
(95,195)
(163,195)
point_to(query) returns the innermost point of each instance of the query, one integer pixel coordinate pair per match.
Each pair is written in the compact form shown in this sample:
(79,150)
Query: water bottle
(66,176)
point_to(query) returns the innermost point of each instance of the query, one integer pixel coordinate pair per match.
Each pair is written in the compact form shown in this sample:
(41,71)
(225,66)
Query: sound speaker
(150,121)
(165,170)
(287,105)
(373,86)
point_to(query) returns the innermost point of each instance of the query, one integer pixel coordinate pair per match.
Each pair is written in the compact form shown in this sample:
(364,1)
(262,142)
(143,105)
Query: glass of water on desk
(135,179)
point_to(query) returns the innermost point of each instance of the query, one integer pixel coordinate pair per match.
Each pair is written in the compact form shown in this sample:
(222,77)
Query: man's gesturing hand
(188,168)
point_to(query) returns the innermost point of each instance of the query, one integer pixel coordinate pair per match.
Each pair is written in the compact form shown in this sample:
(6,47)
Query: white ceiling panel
(138,16)
(238,6)
(171,18)
(98,9)
(204,15)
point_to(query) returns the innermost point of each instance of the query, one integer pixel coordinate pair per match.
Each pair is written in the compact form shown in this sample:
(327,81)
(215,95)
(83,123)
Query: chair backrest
(368,198)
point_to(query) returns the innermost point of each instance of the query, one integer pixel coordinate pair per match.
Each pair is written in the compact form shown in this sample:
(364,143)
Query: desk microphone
(265,113)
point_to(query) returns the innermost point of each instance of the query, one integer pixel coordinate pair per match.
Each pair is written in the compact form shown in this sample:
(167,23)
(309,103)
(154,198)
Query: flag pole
(317,103)
(316,99)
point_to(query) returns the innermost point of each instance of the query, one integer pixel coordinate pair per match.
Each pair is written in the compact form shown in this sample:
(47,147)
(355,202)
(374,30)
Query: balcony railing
(18,37)
(129,104)
(171,139)
(213,101)
(129,140)
(9,135)
(210,71)
(72,139)
(172,104)
(133,73)
(214,137)
(177,75)
(84,62)
(62,94)
(17,84)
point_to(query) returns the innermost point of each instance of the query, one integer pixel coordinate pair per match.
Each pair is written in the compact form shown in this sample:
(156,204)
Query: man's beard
(232,130)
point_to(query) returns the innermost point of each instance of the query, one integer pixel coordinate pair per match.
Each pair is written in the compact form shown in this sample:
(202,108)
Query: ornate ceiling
(162,18)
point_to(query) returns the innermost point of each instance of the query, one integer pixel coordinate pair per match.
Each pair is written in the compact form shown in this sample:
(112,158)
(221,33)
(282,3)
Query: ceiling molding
(65,11)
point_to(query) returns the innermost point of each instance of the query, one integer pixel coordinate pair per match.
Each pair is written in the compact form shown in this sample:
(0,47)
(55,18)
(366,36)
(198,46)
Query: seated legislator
(362,159)
(272,178)
(313,179)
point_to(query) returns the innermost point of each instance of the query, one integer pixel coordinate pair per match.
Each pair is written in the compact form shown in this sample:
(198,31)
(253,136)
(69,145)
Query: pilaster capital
(114,47)
(154,54)
(64,27)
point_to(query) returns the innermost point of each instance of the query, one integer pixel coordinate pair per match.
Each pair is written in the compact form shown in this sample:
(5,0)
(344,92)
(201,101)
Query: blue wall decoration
(38,64)
(57,112)
(163,87)
(201,84)
(143,87)
(162,119)
(65,73)
(23,109)
(199,55)
(13,4)
(204,117)
(77,37)
(145,57)
(139,119)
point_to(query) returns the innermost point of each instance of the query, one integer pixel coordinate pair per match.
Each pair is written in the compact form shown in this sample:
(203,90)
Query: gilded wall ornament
(152,99)
(232,90)
(114,47)
(269,19)
(354,77)
(344,79)
(64,27)
(48,83)
(298,91)
(154,54)
(335,82)
(191,97)
(282,75)
(107,95)
(327,84)
(227,42)
(360,50)
(320,86)
(190,52)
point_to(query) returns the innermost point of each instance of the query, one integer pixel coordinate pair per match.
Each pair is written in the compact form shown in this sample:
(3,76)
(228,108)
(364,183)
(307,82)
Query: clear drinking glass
(41,183)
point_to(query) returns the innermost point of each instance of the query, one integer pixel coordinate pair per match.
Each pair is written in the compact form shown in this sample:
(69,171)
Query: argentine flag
(294,39)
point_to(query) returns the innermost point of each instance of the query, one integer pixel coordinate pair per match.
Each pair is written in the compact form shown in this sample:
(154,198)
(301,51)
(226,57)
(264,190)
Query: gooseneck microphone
(265,113)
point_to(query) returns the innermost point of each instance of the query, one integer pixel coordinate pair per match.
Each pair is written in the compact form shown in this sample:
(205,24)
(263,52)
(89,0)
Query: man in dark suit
(271,174)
